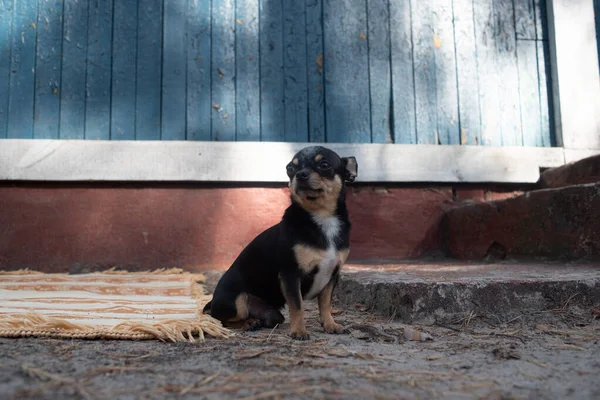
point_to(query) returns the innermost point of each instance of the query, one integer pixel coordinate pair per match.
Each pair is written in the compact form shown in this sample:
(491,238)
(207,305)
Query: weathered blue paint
(498,73)
(173,72)
(294,71)
(48,70)
(98,72)
(527,32)
(380,78)
(247,75)
(22,67)
(124,51)
(272,116)
(314,70)
(403,83)
(347,110)
(424,34)
(544,85)
(383,71)
(149,70)
(507,74)
(198,101)
(466,74)
(223,70)
(447,122)
(72,88)
(529,92)
(5,60)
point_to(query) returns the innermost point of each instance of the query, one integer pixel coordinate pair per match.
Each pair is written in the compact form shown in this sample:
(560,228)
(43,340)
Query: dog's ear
(350,168)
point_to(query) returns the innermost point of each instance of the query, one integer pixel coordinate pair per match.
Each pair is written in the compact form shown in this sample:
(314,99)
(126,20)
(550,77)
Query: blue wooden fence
(383,71)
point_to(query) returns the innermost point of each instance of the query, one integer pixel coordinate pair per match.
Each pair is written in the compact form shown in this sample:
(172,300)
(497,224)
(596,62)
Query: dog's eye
(324,165)
(290,169)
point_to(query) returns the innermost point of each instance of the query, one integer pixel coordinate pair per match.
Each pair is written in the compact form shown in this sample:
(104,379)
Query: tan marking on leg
(241,307)
(308,257)
(297,326)
(329,325)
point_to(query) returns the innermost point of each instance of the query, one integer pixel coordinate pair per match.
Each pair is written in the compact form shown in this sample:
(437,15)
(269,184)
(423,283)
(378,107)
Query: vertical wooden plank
(544,73)
(424,70)
(527,31)
(435,73)
(48,67)
(72,88)
(223,70)
(199,103)
(508,74)
(5,60)
(403,89)
(22,70)
(272,117)
(173,118)
(525,20)
(148,70)
(124,50)
(529,92)
(99,74)
(348,114)
(528,71)
(445,73)
(467,73)
(597,16)
(247,65)
(498,73)
(294,71)
(379,70)
(483,15)
(314,69)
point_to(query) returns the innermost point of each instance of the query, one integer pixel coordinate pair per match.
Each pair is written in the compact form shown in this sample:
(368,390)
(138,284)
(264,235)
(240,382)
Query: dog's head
(317,176)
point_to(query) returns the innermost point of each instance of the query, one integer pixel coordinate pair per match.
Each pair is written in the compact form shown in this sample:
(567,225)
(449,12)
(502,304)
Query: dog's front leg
(290,286)
(329,325)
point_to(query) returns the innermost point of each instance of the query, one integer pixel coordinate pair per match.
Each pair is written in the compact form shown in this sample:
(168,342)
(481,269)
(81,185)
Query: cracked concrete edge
(442,302)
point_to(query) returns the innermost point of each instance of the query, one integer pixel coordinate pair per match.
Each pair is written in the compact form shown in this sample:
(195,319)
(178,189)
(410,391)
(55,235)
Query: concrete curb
(427,301)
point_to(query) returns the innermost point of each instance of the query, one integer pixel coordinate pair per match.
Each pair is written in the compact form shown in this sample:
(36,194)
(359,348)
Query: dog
(299,258)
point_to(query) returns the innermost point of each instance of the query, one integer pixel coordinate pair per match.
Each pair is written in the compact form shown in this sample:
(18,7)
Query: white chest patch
(330,226)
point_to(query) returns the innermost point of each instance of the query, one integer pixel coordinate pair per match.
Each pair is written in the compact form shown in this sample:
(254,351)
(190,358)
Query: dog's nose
(302,175)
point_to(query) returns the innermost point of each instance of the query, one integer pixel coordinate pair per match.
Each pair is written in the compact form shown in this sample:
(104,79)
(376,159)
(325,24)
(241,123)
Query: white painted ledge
(88,160)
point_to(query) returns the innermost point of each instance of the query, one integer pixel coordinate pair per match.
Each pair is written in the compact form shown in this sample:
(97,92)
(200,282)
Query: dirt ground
(550,356)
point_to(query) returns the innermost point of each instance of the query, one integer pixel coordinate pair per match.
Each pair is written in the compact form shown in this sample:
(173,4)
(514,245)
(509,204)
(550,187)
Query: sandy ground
(550,356)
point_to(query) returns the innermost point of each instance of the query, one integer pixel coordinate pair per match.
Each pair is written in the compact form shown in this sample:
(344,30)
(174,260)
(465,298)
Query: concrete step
(450,292)
(559,223)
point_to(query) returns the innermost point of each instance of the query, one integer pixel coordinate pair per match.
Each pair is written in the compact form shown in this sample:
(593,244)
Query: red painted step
(559,223)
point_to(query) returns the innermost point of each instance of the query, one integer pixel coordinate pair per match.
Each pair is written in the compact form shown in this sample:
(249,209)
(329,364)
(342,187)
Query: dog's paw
(334,328)
(252,325)
(300,335)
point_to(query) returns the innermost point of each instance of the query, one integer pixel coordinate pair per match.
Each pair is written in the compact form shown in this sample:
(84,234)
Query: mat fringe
(161,271)
(173,330)
(25,271)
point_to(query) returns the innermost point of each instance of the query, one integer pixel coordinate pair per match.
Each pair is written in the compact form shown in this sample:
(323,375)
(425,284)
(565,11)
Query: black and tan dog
(299,258)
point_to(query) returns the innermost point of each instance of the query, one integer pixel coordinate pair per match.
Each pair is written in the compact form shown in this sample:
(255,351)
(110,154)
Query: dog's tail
(207,307)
